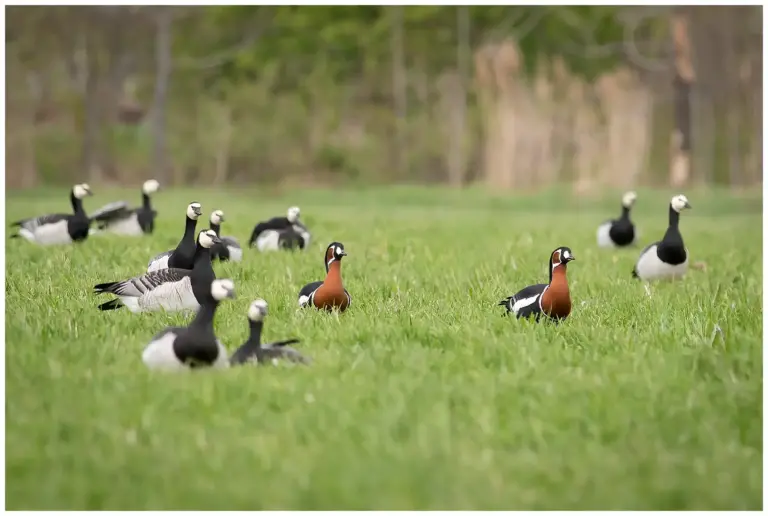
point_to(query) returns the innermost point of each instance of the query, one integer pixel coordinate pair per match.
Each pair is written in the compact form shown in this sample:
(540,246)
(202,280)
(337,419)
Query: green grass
(421,396)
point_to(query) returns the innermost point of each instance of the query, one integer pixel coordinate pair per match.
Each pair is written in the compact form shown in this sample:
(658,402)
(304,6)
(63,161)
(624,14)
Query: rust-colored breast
(329,296)
(556,301)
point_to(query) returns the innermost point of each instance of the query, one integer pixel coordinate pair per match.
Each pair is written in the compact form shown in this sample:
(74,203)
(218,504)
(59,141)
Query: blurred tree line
(516,97)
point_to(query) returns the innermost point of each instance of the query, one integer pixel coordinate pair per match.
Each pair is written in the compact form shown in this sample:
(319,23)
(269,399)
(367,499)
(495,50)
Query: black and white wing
(275,224)
(113,211)
(525,302)
(305,294)
(33,223)
(159,262)
(141,285)
(279,350)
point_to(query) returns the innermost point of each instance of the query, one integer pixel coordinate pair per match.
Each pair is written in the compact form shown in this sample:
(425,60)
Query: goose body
(619,232)
(254,351)
(195,346)
(667,258)
(229,249)
(58,228)
(169,289)
(329,293)
(551,300)
(184,255)
(281,233)
(117,217)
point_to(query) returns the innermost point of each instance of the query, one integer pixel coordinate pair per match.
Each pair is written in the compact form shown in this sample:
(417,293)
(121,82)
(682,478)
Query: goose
(117,217)
(179,348)
(330,293)
(619,232)
(667,258)
(281,233)
(254,351)
(58,228)
(183,256)
(229,248)
(170,289)
(551,300)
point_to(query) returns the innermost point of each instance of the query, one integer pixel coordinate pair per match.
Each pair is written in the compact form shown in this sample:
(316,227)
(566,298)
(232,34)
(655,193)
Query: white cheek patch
(566,254)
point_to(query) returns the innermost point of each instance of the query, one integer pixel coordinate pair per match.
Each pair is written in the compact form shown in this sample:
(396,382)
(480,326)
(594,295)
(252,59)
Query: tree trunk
(399,85)
(163,67)
(458,98)
(680,152)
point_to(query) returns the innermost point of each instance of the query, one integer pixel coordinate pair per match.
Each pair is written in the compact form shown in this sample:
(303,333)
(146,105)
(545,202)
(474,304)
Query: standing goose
(58,228)
(254,351)
(117,217)
(281,233)
(171,289)
(667,258)
(329,293)
(619,232)
(176,348)
(183,256)
(553,300)
(229,248)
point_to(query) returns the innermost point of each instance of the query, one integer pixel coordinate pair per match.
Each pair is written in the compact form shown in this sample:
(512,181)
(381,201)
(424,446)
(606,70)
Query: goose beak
(687,205)
(343,252)
(89,193)
(231,294)
(570,258)
(216,240)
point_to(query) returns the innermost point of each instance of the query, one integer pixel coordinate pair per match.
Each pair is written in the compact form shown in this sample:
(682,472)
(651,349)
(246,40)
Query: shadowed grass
(421,396)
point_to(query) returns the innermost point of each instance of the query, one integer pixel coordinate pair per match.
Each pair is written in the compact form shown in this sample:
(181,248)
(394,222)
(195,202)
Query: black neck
(216,228)
(189,229)
(254,339)
(204,319)
(674,218)
(145,201)
(625,212)
(202,255)
(77,204)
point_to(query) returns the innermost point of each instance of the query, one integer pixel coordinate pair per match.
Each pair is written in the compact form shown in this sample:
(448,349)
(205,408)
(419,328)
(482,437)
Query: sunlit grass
(421,396)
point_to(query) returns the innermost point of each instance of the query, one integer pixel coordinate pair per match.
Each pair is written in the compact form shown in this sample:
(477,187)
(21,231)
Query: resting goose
(619,232)
(229,248)
(281,233)
(171,290)
(58,228)
(117,217)
(254,351)
(177,348)
(183,256)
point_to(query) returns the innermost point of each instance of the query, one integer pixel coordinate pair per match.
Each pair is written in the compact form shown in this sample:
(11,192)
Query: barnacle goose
(619,232)
(254,351)
(281,233)
(58,228)
(117,217)
(667,258)
(168,289)
(183,256)
(177,348)
(229,248)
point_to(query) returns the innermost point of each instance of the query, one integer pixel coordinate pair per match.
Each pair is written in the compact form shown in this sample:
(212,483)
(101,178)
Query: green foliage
(421,396)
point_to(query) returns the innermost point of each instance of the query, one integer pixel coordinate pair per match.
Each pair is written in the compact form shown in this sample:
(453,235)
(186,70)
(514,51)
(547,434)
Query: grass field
(421,396)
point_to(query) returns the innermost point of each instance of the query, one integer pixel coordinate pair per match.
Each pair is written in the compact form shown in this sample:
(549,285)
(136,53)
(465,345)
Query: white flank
(303,300)
(235,253)
(51,234)
(650,267)
(159,264)
(128,226)
(522,303)
(267,241)
(27,235)
(603,235)
(171,297)
(159,354)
